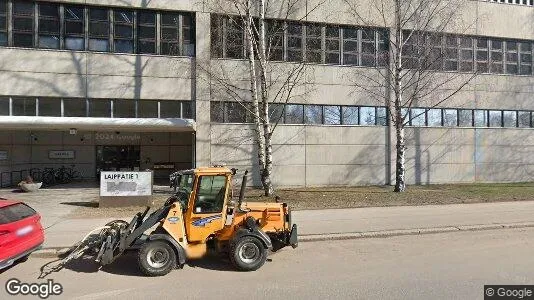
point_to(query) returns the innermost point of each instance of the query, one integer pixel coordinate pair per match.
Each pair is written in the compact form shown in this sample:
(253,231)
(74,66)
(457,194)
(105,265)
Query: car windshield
(16,212)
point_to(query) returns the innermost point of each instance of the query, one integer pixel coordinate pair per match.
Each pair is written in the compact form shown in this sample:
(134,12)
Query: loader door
(207,214)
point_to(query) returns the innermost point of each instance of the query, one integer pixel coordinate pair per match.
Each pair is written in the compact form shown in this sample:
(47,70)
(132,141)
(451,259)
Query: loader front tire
(156,258)
(248,253)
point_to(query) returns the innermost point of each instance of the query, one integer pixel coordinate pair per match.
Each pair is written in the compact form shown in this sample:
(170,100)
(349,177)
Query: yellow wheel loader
(201,216)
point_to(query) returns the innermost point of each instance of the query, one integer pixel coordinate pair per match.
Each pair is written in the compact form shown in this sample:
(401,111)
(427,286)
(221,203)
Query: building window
(75,108)
(3,22)
(235,112)
(146,32)
(314,47)
(350,46)
(332,45)
(465,118)
(49,107)
(417,117)
(381,116)
(368,47)
(480,118)
(4,106)
(313,114)
(23,16)
(217,111)
(367,116)
(187,110)
(234,38)
(74,27)
(276,113)
(434,117)
(383,48)
(188,35)
(523,119)
(496,56)
(294,42)
(525,54)
(100,108)
(509,118)
(170,43)
(495,118)
(294,114)
(451,53)
(275,40)
(482,56)
(48,26)
(123,24)
(170,109)
(332,115)
(450,117)
(350,115)
(124,108)
(24,107)
(98,29)
(466,54)
(147,109)
(512,58)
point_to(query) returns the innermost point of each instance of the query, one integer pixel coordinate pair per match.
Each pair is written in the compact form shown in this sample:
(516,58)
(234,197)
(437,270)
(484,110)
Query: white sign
(126,183)
(3,155)
(59,154)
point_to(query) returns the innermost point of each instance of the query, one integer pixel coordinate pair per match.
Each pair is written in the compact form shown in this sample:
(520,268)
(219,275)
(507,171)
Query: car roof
(5,202)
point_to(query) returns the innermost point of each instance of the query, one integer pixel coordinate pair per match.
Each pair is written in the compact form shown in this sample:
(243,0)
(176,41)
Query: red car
(21,232)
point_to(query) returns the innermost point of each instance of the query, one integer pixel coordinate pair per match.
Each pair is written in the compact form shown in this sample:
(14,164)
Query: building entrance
(117,158)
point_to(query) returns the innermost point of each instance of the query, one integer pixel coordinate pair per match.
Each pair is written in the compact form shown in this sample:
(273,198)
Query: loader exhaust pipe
(242,191)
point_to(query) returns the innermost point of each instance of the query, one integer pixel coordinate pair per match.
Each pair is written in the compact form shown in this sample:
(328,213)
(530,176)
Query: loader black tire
(156,258)
(248,253)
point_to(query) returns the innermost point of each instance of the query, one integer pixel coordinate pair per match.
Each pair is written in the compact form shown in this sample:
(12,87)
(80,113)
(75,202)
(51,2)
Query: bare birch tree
(270,82)
(416,49)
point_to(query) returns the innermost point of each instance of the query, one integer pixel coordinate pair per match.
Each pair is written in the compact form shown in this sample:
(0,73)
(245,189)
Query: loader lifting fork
(200,216)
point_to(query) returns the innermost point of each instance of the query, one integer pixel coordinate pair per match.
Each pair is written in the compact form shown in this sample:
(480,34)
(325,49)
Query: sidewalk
(359,222)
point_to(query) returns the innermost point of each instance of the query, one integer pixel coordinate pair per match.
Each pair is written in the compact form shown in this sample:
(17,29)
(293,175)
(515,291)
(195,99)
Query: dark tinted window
(124,108)
(147,109)
(23,24)
(4,106)
(74,28)
(146,32)
(50,107)
(100,108)
(74,107)
(24,107)
(170,109)
(14,213)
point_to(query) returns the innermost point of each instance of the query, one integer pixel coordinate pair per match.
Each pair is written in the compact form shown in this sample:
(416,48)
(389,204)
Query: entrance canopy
(100,124)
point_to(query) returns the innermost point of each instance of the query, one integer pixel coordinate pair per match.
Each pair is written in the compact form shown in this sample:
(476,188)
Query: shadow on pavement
(82,204)
(127,265)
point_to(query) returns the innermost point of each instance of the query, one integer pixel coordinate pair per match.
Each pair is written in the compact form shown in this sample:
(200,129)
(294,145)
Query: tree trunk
(400,170)
(267,134)
(258,132)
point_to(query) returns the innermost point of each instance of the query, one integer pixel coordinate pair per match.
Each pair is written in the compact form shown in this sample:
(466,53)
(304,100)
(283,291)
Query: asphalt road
(434,266)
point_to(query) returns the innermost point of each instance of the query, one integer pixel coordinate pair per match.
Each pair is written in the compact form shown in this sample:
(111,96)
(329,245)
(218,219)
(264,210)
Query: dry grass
(347,197)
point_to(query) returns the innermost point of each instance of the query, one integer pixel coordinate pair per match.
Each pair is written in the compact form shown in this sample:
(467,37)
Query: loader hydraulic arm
(115,244)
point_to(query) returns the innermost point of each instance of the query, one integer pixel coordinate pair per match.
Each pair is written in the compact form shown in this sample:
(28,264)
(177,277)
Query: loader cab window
(210,194)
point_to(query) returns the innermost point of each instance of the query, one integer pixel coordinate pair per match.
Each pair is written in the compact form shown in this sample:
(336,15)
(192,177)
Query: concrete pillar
(201,91)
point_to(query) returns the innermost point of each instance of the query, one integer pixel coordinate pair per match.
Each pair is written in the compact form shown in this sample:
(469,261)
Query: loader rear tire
(248,253)
(156,258)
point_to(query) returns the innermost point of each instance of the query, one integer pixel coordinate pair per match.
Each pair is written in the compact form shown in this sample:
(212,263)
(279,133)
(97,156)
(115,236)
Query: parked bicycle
(60,175)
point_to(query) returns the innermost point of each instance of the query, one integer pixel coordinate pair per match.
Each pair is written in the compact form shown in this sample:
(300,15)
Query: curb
(414,231)
(47,252)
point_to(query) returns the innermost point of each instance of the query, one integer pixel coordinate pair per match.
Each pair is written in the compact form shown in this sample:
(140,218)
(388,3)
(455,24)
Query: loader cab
(206,210)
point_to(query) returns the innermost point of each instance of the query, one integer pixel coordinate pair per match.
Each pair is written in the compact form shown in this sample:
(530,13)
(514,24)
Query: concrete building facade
(116,85)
